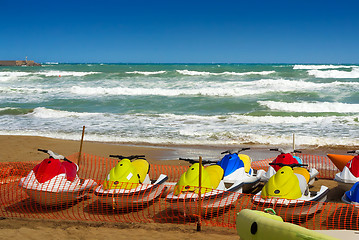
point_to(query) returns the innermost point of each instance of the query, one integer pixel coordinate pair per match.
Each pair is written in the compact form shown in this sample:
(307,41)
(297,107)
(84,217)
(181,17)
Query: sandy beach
(24,148)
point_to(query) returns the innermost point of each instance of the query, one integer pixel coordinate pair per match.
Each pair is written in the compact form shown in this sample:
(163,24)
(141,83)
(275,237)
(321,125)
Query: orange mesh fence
(87,200)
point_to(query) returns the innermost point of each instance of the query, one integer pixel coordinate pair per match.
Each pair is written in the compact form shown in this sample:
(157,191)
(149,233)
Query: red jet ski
(350,173)
(286,159)
(54,181)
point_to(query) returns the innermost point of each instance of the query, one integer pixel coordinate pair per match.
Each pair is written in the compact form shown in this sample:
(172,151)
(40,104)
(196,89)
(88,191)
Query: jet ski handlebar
(277,150)
(282,151)
(232,151)
(354,151)
(289,165)
(128,157)
(192,161)
(243,149)
(53,155)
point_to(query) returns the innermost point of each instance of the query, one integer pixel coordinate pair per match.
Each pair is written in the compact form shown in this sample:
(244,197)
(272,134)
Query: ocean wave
(124,91)
(9,76)
(65,73)
(219,139)
(42,112)
(198,73)
(14,111)
(318,67)
(354,73)
(27,90)
(212,122)
(238,88)
(180,129)
(217,90)
(146,73)
(311,106)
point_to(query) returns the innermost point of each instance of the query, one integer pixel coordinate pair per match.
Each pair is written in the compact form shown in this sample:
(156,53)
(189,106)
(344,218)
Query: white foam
(183,129)
(10,76)
(198,73)
(65,73)
(7,108)
(237,139)
(146,73)
(316,67)
(42,112)
(209,88)
(354,73)
(311,106)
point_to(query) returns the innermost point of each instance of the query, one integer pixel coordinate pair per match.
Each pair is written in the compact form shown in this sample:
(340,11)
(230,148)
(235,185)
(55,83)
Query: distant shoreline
(29,63)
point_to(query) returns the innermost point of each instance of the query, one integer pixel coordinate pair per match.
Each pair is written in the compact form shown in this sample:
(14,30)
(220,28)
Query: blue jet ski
(352,196)
(237,167)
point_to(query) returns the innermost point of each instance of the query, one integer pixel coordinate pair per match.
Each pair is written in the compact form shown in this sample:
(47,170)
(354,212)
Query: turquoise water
(204,104)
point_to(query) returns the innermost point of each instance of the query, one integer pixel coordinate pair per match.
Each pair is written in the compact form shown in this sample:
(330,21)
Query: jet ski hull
(346,200)
(305,205)
(136,197)
(187,203)
(56,196)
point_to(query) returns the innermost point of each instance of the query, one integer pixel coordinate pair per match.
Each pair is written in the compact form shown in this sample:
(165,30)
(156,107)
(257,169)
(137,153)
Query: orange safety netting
(152,203)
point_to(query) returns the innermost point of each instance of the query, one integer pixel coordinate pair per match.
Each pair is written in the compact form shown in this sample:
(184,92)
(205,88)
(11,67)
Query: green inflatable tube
(258,225)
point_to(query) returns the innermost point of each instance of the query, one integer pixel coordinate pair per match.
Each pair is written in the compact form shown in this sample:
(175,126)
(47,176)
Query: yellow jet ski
(237,167)
(213,192)
(128,184)
(288,189)
(258,225)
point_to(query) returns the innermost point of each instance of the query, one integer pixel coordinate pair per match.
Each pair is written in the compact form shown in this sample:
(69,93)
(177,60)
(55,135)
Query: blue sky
(223,31)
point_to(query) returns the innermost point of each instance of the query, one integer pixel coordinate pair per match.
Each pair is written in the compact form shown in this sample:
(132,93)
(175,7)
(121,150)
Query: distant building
(19,63)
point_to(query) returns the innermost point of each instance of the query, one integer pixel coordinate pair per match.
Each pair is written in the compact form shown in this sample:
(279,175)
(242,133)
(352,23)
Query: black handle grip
(351,151)
(192,161)
(289,165)
(227,151)
(42,150)
(128,157)
(244,149)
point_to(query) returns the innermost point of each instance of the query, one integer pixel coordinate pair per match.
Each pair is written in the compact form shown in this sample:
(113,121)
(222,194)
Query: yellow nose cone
(284,184)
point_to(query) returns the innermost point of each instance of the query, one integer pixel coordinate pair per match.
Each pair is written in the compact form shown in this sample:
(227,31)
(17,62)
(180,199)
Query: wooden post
(199,223)
(80,152)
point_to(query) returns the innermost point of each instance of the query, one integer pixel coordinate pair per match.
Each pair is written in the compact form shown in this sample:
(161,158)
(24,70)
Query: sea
(184,104)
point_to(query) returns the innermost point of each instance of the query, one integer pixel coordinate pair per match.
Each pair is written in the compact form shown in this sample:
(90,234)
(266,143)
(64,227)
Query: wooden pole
(80,152)
(199,223)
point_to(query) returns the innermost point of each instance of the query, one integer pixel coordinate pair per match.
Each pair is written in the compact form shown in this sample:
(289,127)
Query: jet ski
(340,160)
(352,196)
(237,168)
(54,181)
(350,172)
(128,184)
(213,193)
(288,189)
(286,158)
